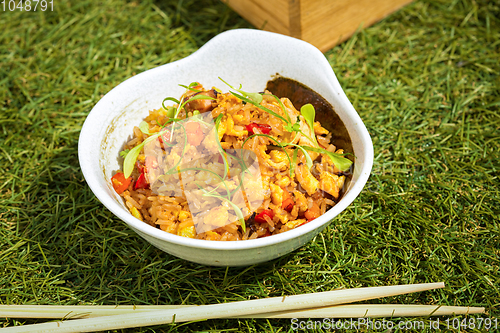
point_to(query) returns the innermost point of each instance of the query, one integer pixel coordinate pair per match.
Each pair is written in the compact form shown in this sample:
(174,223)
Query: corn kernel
(296,223)
(136,213)
(189,232)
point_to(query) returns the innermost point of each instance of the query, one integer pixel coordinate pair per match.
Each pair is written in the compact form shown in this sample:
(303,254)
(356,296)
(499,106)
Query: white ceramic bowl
(249,57)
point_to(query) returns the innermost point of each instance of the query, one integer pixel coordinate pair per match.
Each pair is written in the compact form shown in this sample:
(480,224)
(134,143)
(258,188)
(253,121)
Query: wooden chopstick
(226,310)
(335,311)
(373,311)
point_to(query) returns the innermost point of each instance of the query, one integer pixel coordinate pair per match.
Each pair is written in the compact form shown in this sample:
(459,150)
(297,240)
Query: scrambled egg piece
(276,194)
(331,183)
(278,156)
(218,216)
(318,129)
(282,181)
(306,179)
(275,160)
(230,128)
(300,201)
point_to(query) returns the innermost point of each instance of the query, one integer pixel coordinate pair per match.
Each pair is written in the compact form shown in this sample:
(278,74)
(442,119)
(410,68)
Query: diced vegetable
(165,137)
(194,133)
(312,213)
(288,204)
(135,212)
(287,201)
(184,215)
(120,183)
(259,218)
(264,128)
(151,162)
(189,232)
(141,182)
(139,166)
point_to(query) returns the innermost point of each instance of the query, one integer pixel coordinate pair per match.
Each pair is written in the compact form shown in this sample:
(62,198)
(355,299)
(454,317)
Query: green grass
(426,82)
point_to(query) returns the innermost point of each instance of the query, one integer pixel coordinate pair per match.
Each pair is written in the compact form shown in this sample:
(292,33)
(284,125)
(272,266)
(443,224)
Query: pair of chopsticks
(316,305)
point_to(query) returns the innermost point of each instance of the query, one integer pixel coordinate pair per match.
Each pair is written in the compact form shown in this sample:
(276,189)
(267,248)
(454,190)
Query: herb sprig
(309,114)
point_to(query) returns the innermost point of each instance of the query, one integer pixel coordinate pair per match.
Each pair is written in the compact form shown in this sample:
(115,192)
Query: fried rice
(291,190)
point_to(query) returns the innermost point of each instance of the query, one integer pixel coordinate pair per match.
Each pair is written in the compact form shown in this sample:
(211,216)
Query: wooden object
(335,311)
(323,23)
(224,310)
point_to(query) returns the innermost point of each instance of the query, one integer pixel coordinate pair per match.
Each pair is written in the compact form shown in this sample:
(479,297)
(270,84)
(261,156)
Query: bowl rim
(323,220)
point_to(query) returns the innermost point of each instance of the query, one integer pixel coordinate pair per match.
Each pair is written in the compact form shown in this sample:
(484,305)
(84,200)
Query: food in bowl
(110,124)
(230,166)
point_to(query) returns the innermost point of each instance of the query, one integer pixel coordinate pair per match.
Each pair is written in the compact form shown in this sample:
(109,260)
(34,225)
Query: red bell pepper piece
(140,167)
(287,203)
(260,217)
(264,128)
(141,182)
(120,183)
(165,137)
